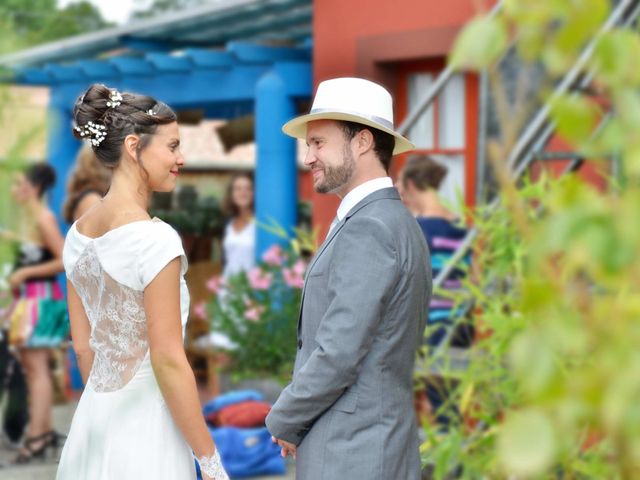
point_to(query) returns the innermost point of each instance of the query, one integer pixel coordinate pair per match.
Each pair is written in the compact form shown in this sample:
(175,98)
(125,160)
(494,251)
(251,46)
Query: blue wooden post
(62,150)
(276,170)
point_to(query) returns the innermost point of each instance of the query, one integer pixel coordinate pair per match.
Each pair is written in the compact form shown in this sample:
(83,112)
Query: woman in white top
(139,415)
(239,242)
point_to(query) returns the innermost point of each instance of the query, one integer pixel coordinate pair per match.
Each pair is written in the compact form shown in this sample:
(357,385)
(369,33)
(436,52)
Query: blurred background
(531,107)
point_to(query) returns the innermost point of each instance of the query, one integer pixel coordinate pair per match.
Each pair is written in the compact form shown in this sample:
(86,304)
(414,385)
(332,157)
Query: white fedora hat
(353,100)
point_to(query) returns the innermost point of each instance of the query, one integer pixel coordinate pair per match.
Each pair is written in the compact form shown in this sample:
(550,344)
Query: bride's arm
(80,332)
(169,361)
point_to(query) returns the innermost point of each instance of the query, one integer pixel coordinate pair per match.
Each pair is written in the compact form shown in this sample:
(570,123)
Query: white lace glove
(212,467)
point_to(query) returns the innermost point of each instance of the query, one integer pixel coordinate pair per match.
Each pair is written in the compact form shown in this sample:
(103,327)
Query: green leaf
(610,139)
(531,43)
(534,13)
(585,17)
(533,362)
(481,42)
(575,117)
(615,58)
(527,443)
(621,394)
(627,109)
(631,159)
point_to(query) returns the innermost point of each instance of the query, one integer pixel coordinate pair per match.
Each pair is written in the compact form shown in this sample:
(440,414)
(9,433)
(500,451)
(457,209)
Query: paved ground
(47,469)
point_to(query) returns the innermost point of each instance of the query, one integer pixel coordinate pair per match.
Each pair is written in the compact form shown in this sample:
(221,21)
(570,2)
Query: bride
(139,415)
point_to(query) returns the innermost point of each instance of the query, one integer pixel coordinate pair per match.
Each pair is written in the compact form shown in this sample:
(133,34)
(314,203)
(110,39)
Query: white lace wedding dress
(122,428)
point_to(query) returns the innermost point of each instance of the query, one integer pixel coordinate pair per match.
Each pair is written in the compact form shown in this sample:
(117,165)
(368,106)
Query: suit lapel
(385,193)
(322,248)
(325,244)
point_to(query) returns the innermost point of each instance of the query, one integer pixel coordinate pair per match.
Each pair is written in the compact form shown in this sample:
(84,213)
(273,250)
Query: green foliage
(482,41)
(25,23)
(193,215)
(614,58)
(552,384)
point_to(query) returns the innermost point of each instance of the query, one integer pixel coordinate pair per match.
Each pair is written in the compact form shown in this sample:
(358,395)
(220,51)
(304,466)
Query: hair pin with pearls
(115,99)
(94,132)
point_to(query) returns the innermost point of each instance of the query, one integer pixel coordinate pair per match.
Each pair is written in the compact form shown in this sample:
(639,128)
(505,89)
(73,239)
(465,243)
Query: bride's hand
(211,468)
(206,477)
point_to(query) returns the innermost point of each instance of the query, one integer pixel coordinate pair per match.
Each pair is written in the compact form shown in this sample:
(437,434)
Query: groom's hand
(286,447)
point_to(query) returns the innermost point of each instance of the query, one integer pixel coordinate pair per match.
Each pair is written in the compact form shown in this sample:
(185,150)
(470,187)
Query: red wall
(372,39)
(338,24)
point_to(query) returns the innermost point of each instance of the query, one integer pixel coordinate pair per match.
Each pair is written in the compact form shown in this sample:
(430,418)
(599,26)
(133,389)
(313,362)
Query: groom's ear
(364,141)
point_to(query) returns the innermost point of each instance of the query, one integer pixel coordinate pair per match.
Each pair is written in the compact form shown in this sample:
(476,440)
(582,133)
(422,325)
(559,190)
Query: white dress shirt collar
(354,197)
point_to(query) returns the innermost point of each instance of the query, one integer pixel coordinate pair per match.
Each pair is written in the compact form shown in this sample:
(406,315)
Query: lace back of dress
(118,323)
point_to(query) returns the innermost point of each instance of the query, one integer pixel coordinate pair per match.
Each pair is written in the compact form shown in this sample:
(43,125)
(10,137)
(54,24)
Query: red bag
(249,414)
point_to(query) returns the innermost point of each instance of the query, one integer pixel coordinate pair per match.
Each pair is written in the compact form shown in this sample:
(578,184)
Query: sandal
(28,453)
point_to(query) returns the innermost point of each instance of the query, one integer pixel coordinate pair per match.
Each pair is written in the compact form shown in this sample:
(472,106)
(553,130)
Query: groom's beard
(337,176)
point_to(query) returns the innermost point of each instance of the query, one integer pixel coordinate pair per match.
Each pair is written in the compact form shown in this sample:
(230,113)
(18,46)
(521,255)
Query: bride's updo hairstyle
(104,116)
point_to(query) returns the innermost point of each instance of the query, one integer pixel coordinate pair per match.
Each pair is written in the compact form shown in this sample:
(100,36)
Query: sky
(117,11)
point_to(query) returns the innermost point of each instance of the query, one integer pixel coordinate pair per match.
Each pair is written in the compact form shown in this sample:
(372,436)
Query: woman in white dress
(239,242)
(139,416)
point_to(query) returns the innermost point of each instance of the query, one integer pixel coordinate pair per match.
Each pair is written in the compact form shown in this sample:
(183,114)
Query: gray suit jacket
(349,407)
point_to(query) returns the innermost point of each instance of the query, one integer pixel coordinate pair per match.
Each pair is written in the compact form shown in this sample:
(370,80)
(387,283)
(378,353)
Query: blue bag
(247,452)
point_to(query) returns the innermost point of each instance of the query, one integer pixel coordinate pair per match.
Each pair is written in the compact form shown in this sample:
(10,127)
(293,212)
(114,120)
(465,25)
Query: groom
(348,412)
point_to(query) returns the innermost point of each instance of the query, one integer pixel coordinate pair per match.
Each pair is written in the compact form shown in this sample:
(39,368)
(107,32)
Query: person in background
(418,183)
(37,290)
(87,184)
(239,240)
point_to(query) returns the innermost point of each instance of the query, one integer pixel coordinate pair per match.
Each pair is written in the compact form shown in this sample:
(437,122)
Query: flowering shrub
(258,311)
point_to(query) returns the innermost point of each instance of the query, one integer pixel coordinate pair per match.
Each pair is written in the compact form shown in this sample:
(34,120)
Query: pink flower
(274,256)
(300,267)
(258,279)
(254,313)
(215,284)
(294,276)
(200,310)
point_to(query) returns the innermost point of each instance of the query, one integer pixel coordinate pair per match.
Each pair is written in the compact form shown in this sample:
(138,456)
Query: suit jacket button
(299,344)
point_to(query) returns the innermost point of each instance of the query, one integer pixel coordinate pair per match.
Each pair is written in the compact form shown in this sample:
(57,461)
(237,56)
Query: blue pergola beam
(170,63)
(252,53)
(159,77)
(203,58)
(60,73)
(132,66)
(98,69)
(197,86)
(33,76)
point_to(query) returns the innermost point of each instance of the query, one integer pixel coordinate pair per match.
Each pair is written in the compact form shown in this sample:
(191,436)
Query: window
(440,131)
(421,134)
(441,127)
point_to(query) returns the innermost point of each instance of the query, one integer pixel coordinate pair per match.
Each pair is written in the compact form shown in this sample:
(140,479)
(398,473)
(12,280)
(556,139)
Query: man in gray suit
(348,412)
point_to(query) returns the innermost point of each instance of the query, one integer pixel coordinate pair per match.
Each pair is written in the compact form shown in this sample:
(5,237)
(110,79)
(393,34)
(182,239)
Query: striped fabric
(443,238)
